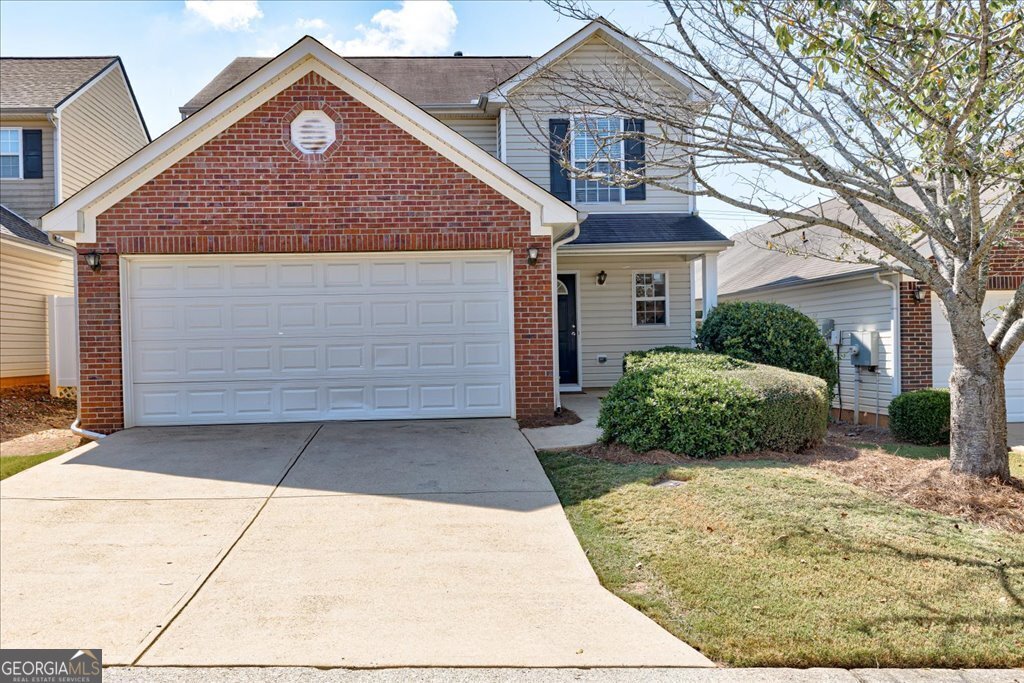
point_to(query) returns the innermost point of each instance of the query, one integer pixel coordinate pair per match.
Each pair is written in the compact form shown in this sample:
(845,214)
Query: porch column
(709,282)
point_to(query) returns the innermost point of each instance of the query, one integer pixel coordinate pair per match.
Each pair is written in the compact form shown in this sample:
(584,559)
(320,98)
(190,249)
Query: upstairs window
(597,147)
(650,298)
(10,152)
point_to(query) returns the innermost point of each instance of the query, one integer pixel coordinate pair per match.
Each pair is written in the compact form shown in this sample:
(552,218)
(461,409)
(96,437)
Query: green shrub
(920,417)
(708,405)
(772,334)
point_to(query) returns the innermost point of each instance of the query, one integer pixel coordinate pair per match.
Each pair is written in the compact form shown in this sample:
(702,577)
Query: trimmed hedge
(920,417)
(708,405)
(773,334)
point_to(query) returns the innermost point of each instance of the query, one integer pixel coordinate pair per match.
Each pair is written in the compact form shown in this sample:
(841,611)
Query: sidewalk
(583,433)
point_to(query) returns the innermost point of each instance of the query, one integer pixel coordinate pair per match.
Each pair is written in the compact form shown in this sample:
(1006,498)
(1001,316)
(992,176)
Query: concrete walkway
(387,544)
(583,433)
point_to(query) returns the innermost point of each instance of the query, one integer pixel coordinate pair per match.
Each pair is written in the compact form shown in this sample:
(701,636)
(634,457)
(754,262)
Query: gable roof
(45,82)
(16,226)
(78,213)
(604,29)
(421,80)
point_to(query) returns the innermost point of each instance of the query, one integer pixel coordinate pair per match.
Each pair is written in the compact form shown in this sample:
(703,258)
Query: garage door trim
(125,284)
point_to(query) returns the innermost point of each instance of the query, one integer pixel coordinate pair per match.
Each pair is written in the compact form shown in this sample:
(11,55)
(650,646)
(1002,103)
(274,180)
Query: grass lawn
(764,563)
(12,464)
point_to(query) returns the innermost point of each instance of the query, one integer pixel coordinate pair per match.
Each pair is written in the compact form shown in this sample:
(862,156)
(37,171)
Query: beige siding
(606,311)
(527,131)
(31,198)
(856,304)
(98,130)
(481,132)
(26,278)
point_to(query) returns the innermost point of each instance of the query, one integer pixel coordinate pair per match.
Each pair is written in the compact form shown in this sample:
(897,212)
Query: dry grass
(864,457)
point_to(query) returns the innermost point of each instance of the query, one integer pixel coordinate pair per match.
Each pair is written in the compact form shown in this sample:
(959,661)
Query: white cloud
(230,15)
(415,28)
(311,24)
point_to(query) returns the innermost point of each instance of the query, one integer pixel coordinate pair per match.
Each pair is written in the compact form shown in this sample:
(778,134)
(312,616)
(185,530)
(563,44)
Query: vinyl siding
(606,311)
(31,198)
(856,304)
(99,130)
(26,278)
(482,132)
(527,132)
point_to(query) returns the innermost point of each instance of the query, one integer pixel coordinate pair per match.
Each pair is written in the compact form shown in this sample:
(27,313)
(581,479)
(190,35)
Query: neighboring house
(915,347)
(64,121)
(372,238)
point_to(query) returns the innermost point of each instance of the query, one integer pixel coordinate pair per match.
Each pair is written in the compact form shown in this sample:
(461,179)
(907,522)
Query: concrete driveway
(373,544)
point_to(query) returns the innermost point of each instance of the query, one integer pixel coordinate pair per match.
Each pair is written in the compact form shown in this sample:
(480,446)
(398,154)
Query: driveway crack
(252,520)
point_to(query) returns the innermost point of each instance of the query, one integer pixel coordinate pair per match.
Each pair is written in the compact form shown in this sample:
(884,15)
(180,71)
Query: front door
(568,348)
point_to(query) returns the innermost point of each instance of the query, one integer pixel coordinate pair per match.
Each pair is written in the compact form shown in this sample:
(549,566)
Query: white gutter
(67,245)
(573,234)
(895,327)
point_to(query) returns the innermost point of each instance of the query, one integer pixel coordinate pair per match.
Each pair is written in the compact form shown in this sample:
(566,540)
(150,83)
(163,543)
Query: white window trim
(21,153)
(572,155)
(632,285)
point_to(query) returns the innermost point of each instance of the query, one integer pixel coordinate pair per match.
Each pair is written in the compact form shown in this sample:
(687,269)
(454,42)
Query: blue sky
(172,48)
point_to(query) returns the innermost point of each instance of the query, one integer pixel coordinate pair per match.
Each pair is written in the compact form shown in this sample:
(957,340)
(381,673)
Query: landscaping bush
(708,405)
(772,334)
(920,417)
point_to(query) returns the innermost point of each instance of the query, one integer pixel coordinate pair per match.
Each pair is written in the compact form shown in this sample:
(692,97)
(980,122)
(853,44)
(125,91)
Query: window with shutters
(313,131)
(597,148)
(10,152)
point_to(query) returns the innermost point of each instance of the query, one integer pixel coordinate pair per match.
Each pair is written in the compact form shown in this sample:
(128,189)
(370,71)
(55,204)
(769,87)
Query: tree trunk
(978,444)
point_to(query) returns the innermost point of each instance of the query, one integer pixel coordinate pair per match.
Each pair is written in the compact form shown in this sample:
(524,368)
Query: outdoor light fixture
(532,254)
(92,259)
(918,292)
(602,277)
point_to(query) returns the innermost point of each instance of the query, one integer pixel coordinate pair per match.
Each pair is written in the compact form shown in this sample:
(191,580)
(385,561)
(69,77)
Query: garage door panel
(298,275)
(332,337)
(212,403)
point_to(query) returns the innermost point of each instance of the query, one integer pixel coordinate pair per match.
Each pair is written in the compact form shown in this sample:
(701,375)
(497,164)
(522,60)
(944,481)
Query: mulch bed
(29,409)
(923,484)
(565,417)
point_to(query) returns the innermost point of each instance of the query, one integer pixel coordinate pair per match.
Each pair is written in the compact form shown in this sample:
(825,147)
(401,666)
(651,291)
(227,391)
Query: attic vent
(313,131)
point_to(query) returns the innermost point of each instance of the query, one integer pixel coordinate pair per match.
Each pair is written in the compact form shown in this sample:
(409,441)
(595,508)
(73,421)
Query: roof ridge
(110,57)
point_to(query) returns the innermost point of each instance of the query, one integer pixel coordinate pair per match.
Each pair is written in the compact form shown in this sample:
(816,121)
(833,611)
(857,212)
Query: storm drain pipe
(573,234)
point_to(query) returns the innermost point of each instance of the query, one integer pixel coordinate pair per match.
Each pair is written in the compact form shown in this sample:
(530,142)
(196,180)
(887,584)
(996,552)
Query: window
(10,152)
(650,298)
(597,148)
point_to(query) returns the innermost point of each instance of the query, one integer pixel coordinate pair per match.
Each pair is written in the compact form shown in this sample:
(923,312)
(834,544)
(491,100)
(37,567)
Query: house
(64,121)
(371,238)
(867,305)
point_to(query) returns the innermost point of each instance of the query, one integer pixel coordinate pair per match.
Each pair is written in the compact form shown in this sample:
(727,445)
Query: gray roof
(13,224)
(422,80)
(644,228)
(750,264)
(45,82)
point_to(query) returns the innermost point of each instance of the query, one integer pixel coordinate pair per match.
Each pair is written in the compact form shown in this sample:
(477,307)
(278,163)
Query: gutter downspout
(69,247)
(897,374)
(54,119)
(573,234)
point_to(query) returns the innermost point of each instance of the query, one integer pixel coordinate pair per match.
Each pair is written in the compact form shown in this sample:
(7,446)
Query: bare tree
(909,111)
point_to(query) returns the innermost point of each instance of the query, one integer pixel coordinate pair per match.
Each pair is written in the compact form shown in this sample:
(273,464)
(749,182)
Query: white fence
(63,343)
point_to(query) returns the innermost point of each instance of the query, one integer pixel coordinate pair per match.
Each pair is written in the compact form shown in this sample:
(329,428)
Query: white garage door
(216,339)
(942,354)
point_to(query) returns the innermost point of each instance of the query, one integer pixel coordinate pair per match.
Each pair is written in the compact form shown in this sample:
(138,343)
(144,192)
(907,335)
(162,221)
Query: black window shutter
(636,157)
(560,185)
(32,153)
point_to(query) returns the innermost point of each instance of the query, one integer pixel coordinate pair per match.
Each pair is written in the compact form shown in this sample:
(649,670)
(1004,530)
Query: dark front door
(568,349)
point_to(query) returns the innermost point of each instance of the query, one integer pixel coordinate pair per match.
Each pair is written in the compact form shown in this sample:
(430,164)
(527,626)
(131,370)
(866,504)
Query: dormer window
(597,148)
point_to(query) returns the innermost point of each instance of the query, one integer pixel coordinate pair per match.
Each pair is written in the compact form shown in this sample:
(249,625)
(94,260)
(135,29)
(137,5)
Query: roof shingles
(16,226)
(45,82)
(645,228)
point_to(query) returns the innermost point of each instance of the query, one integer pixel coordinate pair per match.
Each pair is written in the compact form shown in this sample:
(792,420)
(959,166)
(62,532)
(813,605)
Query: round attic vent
(313,131)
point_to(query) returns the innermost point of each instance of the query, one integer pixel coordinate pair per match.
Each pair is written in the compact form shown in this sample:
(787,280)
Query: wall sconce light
(602,277)
(532,254)
(92,259)
(919,292)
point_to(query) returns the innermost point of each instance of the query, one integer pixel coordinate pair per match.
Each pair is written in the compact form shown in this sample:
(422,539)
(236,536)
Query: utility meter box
(864,348)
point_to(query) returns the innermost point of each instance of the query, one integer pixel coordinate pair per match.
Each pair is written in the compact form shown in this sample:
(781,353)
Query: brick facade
(1006,272)
(248,191)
